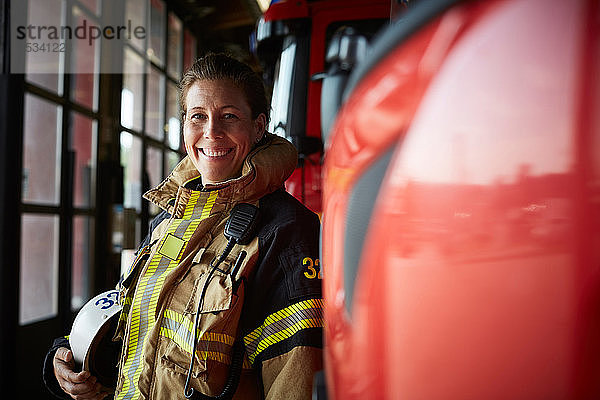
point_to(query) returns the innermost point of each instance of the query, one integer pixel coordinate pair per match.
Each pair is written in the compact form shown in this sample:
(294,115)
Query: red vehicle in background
(461,207)
(290,42)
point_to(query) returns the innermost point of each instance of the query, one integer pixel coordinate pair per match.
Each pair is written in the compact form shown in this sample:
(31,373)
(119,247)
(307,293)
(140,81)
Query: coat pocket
(216,329)
(213,296)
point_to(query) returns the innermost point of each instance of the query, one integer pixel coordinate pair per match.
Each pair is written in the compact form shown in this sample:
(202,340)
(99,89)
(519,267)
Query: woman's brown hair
(219,66)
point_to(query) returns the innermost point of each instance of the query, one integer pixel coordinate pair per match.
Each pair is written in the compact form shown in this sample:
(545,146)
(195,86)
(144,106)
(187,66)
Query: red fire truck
(461,207)
(291,41)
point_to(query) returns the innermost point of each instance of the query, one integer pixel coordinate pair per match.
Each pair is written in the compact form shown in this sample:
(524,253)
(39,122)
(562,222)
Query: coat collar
(265,170)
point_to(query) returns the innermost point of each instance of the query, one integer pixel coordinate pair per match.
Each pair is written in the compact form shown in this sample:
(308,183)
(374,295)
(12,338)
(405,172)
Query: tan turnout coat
(162,290)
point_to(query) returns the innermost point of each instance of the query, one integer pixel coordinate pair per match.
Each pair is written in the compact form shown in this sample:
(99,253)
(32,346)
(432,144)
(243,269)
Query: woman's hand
(78,385)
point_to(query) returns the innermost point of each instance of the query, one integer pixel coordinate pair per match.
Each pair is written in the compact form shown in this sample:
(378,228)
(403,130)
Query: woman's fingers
(79,385)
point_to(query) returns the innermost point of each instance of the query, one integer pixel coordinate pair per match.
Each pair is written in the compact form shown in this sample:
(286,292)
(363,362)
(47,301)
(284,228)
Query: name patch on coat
(171,247)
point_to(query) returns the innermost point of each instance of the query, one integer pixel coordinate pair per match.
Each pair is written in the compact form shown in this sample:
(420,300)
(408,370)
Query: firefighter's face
(218,129)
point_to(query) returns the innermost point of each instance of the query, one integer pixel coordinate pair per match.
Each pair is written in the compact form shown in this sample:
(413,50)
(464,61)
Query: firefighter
(190,292)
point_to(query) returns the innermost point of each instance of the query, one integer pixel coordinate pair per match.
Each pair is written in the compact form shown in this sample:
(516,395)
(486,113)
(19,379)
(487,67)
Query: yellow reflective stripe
(126,307)
(284,334)
(174,336)
(160,281)
(209,339)
(284,313)
(187,347)
(191,205)
(189,327)
(144,304)
(132,367)
(175,316)
(147,305)
(139,304)
(283,324)
(214,356)
(210,202)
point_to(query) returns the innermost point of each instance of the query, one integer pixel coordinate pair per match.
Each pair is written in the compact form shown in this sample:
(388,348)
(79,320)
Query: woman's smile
(215,153)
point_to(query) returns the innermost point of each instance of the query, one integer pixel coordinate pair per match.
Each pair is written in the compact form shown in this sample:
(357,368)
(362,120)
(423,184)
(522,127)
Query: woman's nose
(212,129)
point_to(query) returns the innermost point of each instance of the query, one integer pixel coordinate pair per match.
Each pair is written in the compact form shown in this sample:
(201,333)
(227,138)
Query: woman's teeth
(215,153)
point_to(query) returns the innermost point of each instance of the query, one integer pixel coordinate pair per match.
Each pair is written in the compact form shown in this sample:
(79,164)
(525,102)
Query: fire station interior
(77,150)
(459,200)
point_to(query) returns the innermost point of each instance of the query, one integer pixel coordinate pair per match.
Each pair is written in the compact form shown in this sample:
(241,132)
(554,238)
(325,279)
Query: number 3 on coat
(310,265)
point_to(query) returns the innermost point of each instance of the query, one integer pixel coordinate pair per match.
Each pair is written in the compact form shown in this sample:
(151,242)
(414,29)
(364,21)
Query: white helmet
(92,347)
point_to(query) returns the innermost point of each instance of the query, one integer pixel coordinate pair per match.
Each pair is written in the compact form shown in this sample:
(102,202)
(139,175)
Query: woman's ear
(260,124)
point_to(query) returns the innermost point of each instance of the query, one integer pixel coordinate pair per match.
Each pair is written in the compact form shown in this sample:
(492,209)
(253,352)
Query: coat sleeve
(290,375)
(48,368)
(284,318)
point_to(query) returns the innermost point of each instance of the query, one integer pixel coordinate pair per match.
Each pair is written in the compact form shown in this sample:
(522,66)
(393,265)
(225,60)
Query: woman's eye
(198,116)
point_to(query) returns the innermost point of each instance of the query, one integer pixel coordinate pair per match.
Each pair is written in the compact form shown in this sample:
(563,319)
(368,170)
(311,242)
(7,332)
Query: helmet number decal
(106,302)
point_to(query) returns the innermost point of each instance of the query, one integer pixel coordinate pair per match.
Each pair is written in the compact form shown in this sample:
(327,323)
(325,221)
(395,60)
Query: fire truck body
(461,212)
(461,221)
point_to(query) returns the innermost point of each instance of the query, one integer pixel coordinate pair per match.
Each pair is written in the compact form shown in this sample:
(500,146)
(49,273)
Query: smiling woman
(205,311)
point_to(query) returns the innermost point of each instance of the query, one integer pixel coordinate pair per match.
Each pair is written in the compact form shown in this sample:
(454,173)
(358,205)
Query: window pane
(135,11)
(133,91)
(154,168)
(138,232)
(82,261)
(284,71)
(175,46)
(171,160)
(156,49)
(41,154)
(39,267)
(128,255)
(189,50)
(82,135)
(43,13)
(173,117)
(131,160)
(84,66)
(155,103)
(92,5)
